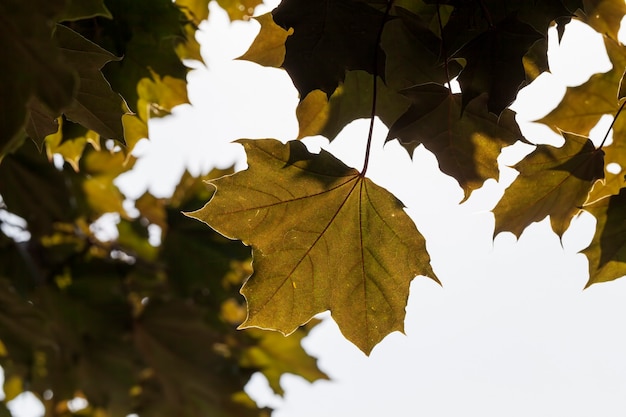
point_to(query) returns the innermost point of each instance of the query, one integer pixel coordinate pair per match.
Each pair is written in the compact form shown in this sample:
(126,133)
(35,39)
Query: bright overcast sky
(511,333)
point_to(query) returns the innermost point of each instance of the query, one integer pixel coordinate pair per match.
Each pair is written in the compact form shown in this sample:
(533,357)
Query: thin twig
(612,123)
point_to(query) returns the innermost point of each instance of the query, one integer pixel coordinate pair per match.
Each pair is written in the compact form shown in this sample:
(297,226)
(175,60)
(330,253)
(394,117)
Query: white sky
(511,333)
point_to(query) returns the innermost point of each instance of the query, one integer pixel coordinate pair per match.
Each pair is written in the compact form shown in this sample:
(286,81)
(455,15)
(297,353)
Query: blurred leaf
(158,96)
(195,10)
(552,181)
(268,48)
(84,9)
(36,66)
(70,149)
(47,199)
(12,387)
(146,33)
(239,9)
(101,169)
(181,350)
(95,105)
(355,254)
(276,355)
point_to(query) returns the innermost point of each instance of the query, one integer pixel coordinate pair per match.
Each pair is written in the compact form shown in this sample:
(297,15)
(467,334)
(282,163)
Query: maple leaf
(414,53)
(607,251)
(466,143)
(494,63)
(552,181)
(329,37)
(35,68)
(323,238)
(584,105)
(95,105)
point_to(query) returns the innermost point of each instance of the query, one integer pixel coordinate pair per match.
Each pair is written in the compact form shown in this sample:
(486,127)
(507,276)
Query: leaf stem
(375,88)
(444,50)
(612,123)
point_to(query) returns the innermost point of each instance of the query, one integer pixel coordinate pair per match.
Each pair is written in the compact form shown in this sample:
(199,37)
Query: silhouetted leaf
(35,66)
(494,63)
(414,53)
(323,238)
(329,38)
(95,105)
(552,181)
(466,143)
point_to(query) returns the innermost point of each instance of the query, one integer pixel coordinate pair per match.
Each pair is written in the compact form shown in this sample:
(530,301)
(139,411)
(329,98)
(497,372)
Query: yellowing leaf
(607,251)
(466,143)
(157,96)
(13,387)
(605,16)
(323,238)
(268,48)
(552,181)
(135,129)
(195,10)
(239,9)
(70,149)
(276,355)
(189,48)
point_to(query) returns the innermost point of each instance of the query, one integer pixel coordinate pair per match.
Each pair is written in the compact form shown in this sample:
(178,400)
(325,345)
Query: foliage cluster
(356,252)
(153,323)
(146,322)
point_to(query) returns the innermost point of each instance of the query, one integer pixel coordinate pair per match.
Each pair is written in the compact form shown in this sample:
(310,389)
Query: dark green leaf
(466,143)
(329,38)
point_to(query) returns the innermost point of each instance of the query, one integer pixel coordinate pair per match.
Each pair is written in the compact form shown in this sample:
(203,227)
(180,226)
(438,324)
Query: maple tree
(154,322)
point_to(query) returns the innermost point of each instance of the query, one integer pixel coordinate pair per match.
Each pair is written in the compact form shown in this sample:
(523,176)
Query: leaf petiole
(375,87)
(606,135)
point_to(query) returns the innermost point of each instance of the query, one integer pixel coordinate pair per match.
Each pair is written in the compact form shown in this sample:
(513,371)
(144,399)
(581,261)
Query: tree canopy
(146,322)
